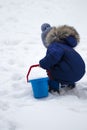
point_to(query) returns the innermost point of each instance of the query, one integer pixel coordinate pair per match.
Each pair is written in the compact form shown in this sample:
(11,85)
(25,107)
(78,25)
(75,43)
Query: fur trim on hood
(58,34)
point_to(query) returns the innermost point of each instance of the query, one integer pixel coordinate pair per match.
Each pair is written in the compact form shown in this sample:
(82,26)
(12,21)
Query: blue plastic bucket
(40,87)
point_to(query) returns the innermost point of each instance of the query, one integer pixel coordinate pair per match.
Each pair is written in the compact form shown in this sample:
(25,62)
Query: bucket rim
(43,78)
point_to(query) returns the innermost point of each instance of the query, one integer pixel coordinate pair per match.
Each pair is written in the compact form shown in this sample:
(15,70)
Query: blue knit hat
(45,29)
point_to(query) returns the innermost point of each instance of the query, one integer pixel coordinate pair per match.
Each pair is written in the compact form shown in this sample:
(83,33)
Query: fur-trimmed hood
(58,34)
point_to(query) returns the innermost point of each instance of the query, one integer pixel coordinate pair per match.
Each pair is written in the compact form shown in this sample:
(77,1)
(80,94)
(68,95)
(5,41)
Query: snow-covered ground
(20,47)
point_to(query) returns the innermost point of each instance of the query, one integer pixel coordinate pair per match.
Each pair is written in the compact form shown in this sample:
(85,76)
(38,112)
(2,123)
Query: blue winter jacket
(63,62)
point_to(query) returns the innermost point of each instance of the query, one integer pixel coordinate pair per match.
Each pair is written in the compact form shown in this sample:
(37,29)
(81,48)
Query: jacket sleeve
(53,56)
(71,41)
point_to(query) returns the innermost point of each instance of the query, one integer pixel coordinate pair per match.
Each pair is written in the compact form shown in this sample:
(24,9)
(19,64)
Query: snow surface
(21,47)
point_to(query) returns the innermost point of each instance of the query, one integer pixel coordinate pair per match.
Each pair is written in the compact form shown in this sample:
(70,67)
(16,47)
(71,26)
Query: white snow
(21,47)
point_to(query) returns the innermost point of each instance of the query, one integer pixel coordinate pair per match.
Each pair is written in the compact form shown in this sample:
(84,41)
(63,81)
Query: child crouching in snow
(63,64)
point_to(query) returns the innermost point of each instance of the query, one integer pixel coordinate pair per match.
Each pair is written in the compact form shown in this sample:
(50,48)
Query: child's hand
(45,26)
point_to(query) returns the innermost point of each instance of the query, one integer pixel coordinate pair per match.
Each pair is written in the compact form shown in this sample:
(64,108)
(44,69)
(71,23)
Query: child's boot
(53,86)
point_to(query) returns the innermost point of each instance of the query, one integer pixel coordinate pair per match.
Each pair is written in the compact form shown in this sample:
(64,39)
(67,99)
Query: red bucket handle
(37,65)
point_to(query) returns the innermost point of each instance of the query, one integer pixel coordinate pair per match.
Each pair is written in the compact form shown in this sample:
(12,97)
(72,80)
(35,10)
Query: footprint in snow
(11,62)
(6,124)
(17,76)
(4,105)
